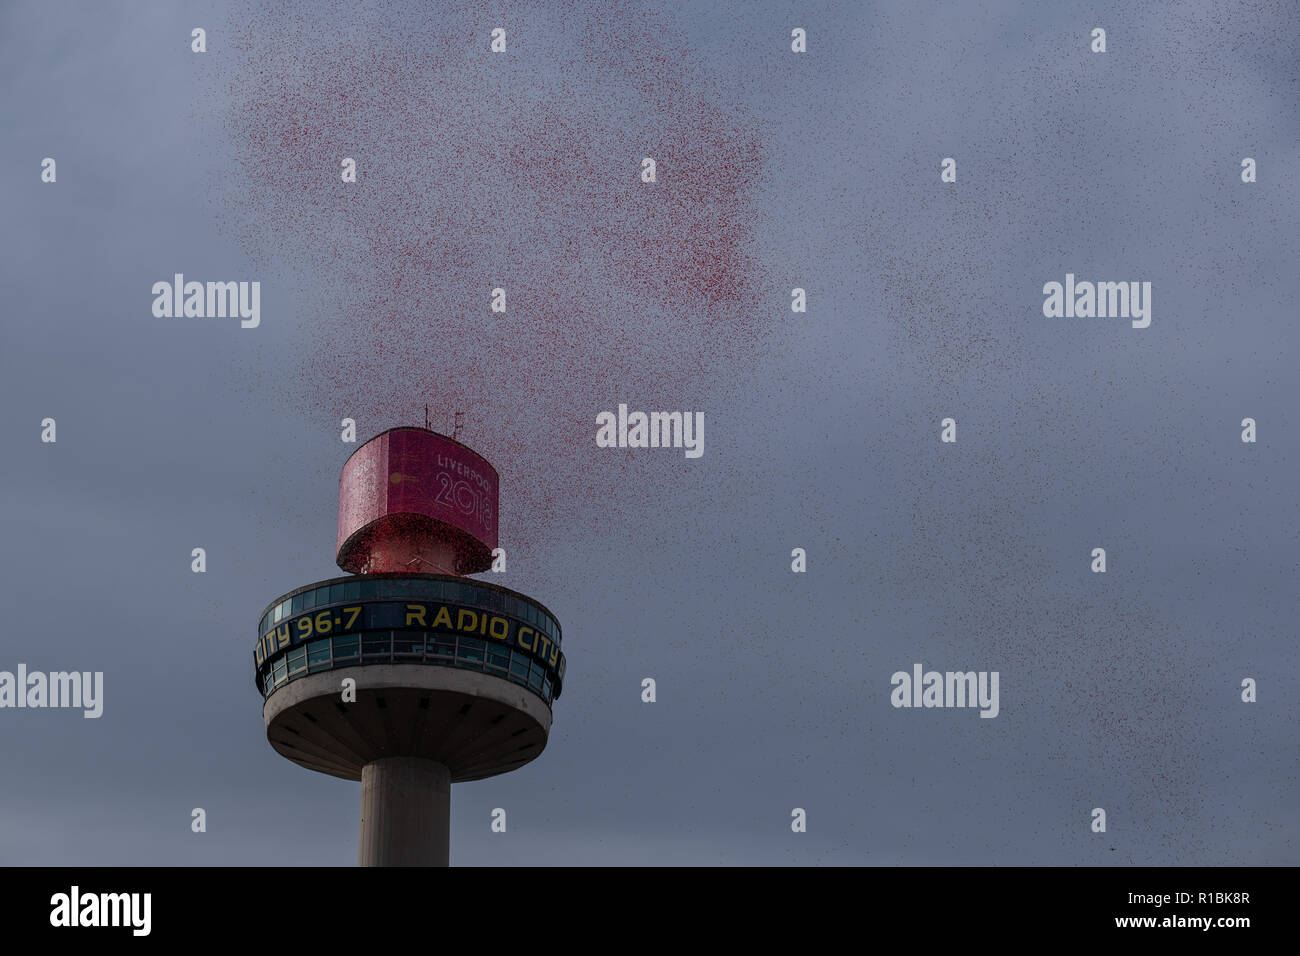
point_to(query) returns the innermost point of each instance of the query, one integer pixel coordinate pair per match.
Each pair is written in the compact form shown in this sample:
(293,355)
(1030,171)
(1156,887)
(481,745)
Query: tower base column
(405,813)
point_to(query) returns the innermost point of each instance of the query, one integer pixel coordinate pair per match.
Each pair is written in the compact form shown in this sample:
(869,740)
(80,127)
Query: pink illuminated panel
(410,471)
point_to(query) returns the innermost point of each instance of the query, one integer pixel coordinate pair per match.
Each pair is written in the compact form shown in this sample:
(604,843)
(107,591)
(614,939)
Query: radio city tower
(405,674)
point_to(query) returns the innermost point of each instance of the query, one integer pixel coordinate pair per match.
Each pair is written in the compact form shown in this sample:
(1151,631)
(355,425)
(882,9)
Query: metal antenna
(460,423)
(426,419)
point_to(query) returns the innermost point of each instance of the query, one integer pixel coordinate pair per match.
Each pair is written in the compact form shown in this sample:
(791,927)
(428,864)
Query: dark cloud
(776,171)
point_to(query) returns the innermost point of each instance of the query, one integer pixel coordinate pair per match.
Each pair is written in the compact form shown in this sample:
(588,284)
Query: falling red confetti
(476,171)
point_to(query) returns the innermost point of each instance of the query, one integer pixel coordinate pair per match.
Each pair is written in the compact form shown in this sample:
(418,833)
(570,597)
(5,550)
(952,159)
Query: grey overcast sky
(821,170)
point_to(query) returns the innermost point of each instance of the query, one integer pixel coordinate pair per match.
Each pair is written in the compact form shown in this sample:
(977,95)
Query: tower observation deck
(451,678)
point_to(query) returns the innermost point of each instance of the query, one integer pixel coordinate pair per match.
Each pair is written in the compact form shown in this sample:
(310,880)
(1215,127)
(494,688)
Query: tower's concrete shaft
(405,813)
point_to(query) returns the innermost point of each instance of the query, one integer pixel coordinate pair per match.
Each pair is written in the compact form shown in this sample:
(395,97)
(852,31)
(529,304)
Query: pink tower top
(413,500)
